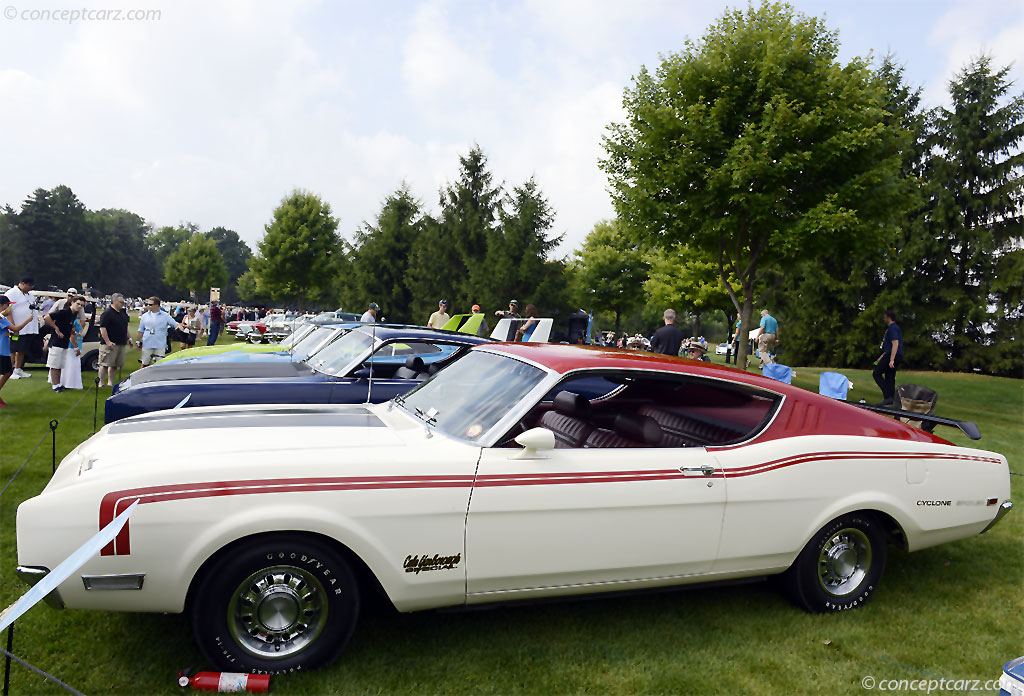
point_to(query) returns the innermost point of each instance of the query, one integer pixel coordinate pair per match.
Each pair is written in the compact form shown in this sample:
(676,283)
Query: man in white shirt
(28,340)
(440,317)
(153,326)
(370,315)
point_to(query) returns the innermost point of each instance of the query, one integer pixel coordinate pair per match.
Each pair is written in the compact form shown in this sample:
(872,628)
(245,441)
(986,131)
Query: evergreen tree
(56,239)
(127,265)
(517,261)
(379,268)
(975,177)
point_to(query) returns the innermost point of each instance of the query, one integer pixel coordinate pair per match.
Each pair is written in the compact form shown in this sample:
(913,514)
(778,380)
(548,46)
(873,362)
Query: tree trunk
(696,323)
(748,309)
(618,322)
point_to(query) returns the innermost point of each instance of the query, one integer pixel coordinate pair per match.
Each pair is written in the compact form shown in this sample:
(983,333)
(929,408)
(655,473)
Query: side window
(413,348)
(618,410)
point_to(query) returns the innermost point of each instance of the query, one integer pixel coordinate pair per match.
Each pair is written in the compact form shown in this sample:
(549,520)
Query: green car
(203,351)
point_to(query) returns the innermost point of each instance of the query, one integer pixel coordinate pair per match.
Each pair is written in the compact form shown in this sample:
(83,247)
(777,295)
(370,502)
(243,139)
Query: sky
(211,112)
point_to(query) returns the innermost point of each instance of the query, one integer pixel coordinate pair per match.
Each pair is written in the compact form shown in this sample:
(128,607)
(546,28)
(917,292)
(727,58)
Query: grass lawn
(950,612)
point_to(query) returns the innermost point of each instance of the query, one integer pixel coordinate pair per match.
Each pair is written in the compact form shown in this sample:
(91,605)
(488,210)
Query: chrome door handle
(703,470)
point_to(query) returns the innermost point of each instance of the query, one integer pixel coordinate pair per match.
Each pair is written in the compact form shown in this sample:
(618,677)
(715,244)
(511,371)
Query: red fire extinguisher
(225,682)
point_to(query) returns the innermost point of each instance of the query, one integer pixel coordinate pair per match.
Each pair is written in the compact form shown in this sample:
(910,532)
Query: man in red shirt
(216,323)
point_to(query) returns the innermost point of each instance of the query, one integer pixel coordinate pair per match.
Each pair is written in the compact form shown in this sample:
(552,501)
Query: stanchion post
(7,660)
(53,443)
(95,404)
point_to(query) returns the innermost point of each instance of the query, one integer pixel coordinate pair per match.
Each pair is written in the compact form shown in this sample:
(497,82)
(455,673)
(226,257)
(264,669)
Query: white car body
(441,520)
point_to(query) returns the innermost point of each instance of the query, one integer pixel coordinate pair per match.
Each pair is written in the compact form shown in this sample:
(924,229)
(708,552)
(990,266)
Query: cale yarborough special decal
(415,564)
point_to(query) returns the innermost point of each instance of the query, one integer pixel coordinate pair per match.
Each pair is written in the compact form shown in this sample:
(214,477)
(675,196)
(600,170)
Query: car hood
(174,440)
(183,369)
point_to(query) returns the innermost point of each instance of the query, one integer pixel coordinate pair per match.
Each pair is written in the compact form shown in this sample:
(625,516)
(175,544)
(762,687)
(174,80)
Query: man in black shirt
(114,336)
(62,322)
(668,338)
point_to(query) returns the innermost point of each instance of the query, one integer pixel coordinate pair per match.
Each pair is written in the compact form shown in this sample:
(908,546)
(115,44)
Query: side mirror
(362,373)
(533,440)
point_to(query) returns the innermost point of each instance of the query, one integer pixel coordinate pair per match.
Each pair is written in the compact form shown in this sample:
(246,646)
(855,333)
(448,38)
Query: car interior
(627,410)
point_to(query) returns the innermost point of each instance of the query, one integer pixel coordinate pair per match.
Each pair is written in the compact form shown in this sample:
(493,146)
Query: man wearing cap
(483,329)
(370,315)
(440,317)
(28,339)
(512,313)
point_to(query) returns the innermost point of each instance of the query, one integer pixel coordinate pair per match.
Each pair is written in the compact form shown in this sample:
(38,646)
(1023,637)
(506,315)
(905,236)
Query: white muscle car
(521,471)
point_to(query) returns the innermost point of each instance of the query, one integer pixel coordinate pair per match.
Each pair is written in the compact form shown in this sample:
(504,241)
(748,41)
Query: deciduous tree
(609,270)
(196,265)
(755,145)
(297,255)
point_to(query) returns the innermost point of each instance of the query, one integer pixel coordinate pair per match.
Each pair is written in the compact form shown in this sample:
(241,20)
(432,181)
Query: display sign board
(214,294)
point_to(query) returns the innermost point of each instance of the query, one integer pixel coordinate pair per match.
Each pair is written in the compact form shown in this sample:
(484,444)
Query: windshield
(467,398)
(340,356)
(298,336)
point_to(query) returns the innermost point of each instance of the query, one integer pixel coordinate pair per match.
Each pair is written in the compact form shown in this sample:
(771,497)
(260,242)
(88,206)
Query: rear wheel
(840,567)
(275,604)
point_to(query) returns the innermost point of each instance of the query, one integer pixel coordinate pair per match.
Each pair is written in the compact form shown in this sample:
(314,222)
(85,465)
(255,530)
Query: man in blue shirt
(153,325)
(768,337)
(889,361)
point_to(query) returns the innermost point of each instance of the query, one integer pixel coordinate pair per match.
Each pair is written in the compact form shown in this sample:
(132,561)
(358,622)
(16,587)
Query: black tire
(277,603)
(91,361)
(840,567)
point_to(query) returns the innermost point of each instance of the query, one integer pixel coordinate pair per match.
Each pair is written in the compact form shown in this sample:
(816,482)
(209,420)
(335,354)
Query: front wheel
(91,361)
(275,604)
(840,567)
(255,337)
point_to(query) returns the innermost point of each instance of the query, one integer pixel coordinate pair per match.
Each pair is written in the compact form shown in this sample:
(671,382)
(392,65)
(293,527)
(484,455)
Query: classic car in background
(520,471)
(338,372)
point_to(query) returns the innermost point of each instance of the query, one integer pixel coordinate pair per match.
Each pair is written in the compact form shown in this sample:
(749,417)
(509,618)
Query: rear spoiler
(967,427)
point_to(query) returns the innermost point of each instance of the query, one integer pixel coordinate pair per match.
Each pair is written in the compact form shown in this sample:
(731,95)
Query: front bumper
(32,575)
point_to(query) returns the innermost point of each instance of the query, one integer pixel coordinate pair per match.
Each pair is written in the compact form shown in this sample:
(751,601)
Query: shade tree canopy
(755,145)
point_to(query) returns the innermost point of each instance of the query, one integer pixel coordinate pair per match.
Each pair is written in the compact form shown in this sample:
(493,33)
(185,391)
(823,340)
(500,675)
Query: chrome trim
(121,581)
(32,575)
(1000,514)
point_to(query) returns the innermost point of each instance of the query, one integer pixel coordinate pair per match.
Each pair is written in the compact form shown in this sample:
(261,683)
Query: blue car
(366,363)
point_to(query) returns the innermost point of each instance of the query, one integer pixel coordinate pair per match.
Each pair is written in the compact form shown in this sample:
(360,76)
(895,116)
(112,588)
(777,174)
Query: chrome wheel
(277,611)
(844,562)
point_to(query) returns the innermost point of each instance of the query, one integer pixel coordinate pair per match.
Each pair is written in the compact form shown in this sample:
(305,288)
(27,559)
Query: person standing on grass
(669,338)
(62,322)
(114,334)
(152,331)
(191,330)
(6,329)
(27,341)
(890,359)
(216,323)
(767,337)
